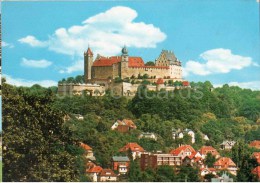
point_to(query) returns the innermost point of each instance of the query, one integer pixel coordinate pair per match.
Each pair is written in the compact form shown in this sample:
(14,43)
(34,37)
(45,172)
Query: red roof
(257,156)
(185,83)
(129,123)
(224,162)
(133,147)
(204,150)
(107,173)
(255,143)
(256,171)
(160,81)
(95,169)
(85,146)
(177,151)
(109,61)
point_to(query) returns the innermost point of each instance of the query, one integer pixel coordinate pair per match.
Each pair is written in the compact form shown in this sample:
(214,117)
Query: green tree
(210,160)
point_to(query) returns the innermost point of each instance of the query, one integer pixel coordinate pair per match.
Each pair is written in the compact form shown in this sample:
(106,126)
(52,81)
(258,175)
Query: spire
(124,51)
(89,51)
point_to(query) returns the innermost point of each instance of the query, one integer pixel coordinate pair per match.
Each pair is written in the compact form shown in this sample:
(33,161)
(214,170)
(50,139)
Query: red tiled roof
(133,147)
(95,169)
(204,150)
(107,173)
(160,81)
(224,162)
(256,171)
(90,165)
(85,146)
(257,156)
(255,143)
(185,83)
(109,61)
(182,148)
(129,123)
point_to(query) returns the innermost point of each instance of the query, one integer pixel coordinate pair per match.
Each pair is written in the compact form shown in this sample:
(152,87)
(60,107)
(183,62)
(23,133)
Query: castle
(100,74)
(166,66)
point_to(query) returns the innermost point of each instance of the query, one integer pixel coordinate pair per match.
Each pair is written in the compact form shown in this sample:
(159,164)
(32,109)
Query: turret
(124,63)
(88,62)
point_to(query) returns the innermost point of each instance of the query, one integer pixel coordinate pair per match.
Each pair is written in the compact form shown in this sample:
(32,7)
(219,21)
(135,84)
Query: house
(194,159)
(178,134)
(225,163)
(148,135)
(93,173)
(88,151)
(123,126)
(204,150)
(78,116)
(227,145)
(206,170)
(205,137)
(256,155)
(183,151)
(155,160)
(107,175)
(256,171)
(224,178)
(135,149)
(120,164)
(66,118)
(255,144)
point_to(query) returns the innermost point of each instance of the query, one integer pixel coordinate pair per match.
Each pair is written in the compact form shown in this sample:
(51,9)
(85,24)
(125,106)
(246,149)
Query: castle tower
(124,63)
(88,61)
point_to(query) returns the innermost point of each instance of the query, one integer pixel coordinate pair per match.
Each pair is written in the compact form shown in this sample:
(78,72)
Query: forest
(39,146)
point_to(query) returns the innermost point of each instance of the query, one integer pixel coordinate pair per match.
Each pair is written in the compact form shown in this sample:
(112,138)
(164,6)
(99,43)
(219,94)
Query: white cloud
(217,61)
(8,45)
(32,41)
(105,32)
(35,63)
(28,83)
(77,66)
(253,85)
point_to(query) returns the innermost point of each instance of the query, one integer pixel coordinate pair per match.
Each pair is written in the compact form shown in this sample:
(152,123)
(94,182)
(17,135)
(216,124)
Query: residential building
(183,151)
(179,134)
(93,172)
(148,135)
(204,150)
(206,170)
(120,164)
(155,160)
(135,149)
(227,145)
(255,144)
(256,155)
(123,126)
(107,175)
(78,116)
(256,171)
(88,151)
(224,178)
(225,163)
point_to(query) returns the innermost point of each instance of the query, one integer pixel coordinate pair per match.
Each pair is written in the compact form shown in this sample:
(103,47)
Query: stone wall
(78,89)
(102,72)
(151,71)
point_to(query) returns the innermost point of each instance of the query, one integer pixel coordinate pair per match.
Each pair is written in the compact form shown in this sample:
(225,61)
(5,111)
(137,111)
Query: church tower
(88,61)
(124,62)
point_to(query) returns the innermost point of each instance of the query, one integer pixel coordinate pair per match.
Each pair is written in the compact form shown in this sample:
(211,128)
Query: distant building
(123,126)
(121,164)
(78,116)
(180,133)
(183,151)
(204,150)
(224,178)
(225,163)
(88,151)
(255,144)
(134,148)
(205,171)
(155,160)
(227,145)
(256,171)
(93,172)
(107,175)
(256,155)
(148,135)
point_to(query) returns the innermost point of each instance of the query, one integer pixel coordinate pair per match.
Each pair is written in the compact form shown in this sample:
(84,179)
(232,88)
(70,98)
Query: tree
(150,63)
(210,160)
(134,174)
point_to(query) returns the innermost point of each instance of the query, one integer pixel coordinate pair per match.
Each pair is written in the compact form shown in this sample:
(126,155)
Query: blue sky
(216,40)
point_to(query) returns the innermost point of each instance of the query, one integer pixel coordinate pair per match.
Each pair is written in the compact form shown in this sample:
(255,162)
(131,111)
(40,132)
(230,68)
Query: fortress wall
(77,89)
(102,72)
(116,70)
(158,72)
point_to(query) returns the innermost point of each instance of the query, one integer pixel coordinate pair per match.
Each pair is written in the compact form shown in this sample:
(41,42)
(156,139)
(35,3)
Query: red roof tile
(182,148)
(224,162)
(109,61)
(257,156)
(107,173)
(129,123)
(85,146)
(96,169)
(256,171)
(255,143)
(160,81)
(204,150)
(185,83)
(133,147)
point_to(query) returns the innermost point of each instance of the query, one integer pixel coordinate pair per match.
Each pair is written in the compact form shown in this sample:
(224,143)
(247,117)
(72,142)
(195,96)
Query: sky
(216,40)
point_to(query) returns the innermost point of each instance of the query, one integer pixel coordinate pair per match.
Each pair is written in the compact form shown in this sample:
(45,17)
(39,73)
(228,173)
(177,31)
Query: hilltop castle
(101,74)
(166,66)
